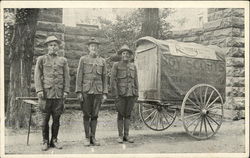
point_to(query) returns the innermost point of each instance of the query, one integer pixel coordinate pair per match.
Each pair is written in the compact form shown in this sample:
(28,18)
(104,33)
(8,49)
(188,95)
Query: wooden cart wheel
(202,111)
(157,117)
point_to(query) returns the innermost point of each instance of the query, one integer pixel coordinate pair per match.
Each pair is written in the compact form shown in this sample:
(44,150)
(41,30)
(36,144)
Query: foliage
(127,29)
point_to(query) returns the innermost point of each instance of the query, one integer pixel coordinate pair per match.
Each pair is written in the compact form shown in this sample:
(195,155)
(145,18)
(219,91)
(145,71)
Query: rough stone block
(52,11)
(41,34)
(39,51)
(236,42)
(212,10)
(235,62)
(208,36)
(235,71)
(74,54)
(227,32)
(39,43)
(224,23)
(191,39)
(59,35)
(50,18)
(83,31)
(178,34)
(235,91)
(237,12)
(234,51)
(235,81)
(73,63)
(50,26)
(228,42)
(75,46)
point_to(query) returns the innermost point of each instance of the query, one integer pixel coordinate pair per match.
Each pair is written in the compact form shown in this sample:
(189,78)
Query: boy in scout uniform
(91,89)
(52,86)
(124,86)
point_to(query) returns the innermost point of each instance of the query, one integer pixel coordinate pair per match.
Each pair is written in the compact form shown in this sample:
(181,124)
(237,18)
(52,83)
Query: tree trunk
(151,23)
(21,58)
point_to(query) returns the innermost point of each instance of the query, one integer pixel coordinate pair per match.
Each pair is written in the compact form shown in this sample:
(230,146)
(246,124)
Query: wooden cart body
(167,69)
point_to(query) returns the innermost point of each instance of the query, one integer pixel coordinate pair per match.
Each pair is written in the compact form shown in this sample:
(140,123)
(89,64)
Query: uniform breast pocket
(122,90)
(99,69)
(121,73)
(86,86)
(87,68)
(47,68)
(99,87)
(59,68)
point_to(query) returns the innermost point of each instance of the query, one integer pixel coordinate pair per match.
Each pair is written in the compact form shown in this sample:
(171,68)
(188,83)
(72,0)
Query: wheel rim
(202,111)
(157,117)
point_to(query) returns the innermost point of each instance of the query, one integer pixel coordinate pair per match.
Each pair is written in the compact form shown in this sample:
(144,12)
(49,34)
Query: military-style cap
(93,40)
(123,48)
(51,39)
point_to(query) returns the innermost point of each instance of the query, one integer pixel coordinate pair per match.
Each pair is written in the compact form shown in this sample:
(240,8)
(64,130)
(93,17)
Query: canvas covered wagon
(176,74)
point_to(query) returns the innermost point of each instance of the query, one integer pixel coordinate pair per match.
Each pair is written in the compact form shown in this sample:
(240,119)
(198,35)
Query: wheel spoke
(153,118)
(192,115)
(157,120)
(209,98)
(168,113)
(196,127)
(193,102)
(201,97)
(209,124)
(205,125)
(201,126)
(197,110)
(213,120)
(165,117)
(197,100)
(194,121)
(161,121)
(214,107)
(213,102)
(205,96)
(150,114)
(148,110)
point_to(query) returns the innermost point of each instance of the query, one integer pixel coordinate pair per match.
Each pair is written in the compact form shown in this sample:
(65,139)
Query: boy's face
(126,55)
(93,49)
(53,47)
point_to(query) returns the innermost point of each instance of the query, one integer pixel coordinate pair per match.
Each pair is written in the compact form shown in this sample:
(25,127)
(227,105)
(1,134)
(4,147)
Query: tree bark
(151,23)
(21,58)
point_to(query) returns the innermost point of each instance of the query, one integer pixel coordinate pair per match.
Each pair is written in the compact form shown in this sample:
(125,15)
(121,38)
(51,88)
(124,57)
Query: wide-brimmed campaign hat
(51,39)
(125,47)
(93,40)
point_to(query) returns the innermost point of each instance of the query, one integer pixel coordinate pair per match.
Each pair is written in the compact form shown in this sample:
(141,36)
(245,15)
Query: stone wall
(225,28)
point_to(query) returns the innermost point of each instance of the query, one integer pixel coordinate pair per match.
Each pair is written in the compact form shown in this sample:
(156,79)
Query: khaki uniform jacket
(91,75)
(52,76)
(124,79)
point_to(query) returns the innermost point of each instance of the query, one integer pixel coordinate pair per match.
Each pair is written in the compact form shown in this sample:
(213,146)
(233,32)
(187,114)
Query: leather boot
(93,130)
(120,131)
(45,145)
(86,124)
(45,131)
(126,131)
(54,143)
(54,130)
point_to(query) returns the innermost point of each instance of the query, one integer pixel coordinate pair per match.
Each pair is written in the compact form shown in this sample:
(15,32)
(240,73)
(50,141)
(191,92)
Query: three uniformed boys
(52,86)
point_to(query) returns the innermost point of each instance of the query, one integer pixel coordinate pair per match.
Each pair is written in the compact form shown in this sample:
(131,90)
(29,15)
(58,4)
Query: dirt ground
(229,139)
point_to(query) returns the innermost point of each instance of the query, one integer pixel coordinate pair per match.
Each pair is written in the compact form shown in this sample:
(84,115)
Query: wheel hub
(204,112)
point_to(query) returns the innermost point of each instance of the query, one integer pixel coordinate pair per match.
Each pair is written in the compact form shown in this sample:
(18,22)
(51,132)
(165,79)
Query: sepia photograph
(125,79)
